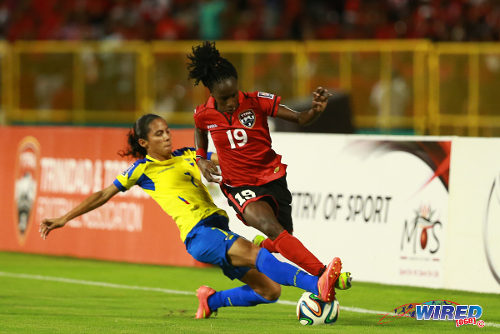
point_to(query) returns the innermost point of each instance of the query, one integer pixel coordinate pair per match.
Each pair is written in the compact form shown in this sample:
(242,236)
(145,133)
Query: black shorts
(276,193)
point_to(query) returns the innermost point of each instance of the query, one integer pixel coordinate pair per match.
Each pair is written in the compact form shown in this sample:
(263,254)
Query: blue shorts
(209,242)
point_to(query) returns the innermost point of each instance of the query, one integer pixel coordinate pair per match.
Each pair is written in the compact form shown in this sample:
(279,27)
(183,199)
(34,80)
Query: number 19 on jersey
(237,137)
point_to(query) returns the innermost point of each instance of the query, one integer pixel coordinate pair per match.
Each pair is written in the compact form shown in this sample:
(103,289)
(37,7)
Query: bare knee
(260,215)
(271,292)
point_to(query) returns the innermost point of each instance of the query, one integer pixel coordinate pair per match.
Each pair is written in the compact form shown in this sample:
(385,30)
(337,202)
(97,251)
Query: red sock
(269,245)
(291,248)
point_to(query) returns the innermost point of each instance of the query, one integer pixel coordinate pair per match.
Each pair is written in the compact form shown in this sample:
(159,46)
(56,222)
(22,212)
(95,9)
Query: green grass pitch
(43,294)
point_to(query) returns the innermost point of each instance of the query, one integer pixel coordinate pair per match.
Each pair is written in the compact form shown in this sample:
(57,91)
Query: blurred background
(396,66)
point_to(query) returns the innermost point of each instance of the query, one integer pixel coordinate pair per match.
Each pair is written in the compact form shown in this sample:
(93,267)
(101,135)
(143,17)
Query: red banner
(46,171)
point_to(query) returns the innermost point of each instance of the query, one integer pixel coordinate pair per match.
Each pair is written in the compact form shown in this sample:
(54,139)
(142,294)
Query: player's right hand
(48,225)
(320,99)
(209,170)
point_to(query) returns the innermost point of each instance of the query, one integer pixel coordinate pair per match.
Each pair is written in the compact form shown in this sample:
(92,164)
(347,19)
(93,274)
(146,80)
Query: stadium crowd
(446,20)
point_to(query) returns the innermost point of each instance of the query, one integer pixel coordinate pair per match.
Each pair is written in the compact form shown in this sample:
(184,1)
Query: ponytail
(139,131)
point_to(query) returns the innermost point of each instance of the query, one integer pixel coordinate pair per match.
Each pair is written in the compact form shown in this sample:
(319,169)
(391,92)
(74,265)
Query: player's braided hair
(208,66)
(140,130)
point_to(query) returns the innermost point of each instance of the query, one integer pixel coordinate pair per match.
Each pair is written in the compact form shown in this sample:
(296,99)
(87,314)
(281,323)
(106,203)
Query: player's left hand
(320,99)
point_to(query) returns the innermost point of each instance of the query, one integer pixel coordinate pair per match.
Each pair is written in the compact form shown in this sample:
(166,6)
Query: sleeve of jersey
(128,178)
(269,105)
(198,118)
(191,153)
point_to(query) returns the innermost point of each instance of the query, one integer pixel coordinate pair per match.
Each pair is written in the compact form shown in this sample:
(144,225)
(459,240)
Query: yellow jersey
(175,184)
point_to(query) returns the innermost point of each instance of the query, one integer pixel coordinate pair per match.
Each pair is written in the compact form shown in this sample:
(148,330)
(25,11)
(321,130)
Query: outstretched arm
(319,102)
(90,203)
(207,167)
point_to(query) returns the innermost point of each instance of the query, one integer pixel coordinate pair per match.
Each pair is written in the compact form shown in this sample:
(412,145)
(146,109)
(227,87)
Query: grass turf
(39,303)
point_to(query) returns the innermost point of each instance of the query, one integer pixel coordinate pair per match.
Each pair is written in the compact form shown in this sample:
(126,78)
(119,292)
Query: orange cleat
(326,282)
(203,293)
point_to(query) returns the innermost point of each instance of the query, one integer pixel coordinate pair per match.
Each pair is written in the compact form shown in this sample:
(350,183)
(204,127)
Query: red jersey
(242,139)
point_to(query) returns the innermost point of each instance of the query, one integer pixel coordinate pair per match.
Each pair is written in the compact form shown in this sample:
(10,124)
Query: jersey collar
(164,162)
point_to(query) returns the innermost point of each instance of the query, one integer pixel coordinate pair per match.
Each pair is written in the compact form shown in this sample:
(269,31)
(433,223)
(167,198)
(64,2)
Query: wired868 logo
(461,314)
(438,310)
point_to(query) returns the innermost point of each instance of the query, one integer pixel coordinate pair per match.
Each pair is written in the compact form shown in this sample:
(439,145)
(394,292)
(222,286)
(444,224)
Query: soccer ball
(313,311)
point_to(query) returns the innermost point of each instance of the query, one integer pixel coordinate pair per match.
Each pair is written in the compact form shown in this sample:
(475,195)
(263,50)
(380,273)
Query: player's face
(226,94)
(159,144)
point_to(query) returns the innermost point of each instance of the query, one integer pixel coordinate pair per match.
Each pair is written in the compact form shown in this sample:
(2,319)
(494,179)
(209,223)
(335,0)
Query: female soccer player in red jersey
(253,176)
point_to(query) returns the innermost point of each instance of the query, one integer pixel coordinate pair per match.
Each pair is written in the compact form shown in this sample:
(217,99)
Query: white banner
(473,250)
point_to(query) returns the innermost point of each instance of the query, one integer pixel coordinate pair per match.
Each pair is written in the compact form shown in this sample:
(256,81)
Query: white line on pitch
(94,283)
(168,291)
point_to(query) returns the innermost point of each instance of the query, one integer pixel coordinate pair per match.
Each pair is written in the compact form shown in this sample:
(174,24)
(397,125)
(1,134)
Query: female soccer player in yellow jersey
(173,179)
